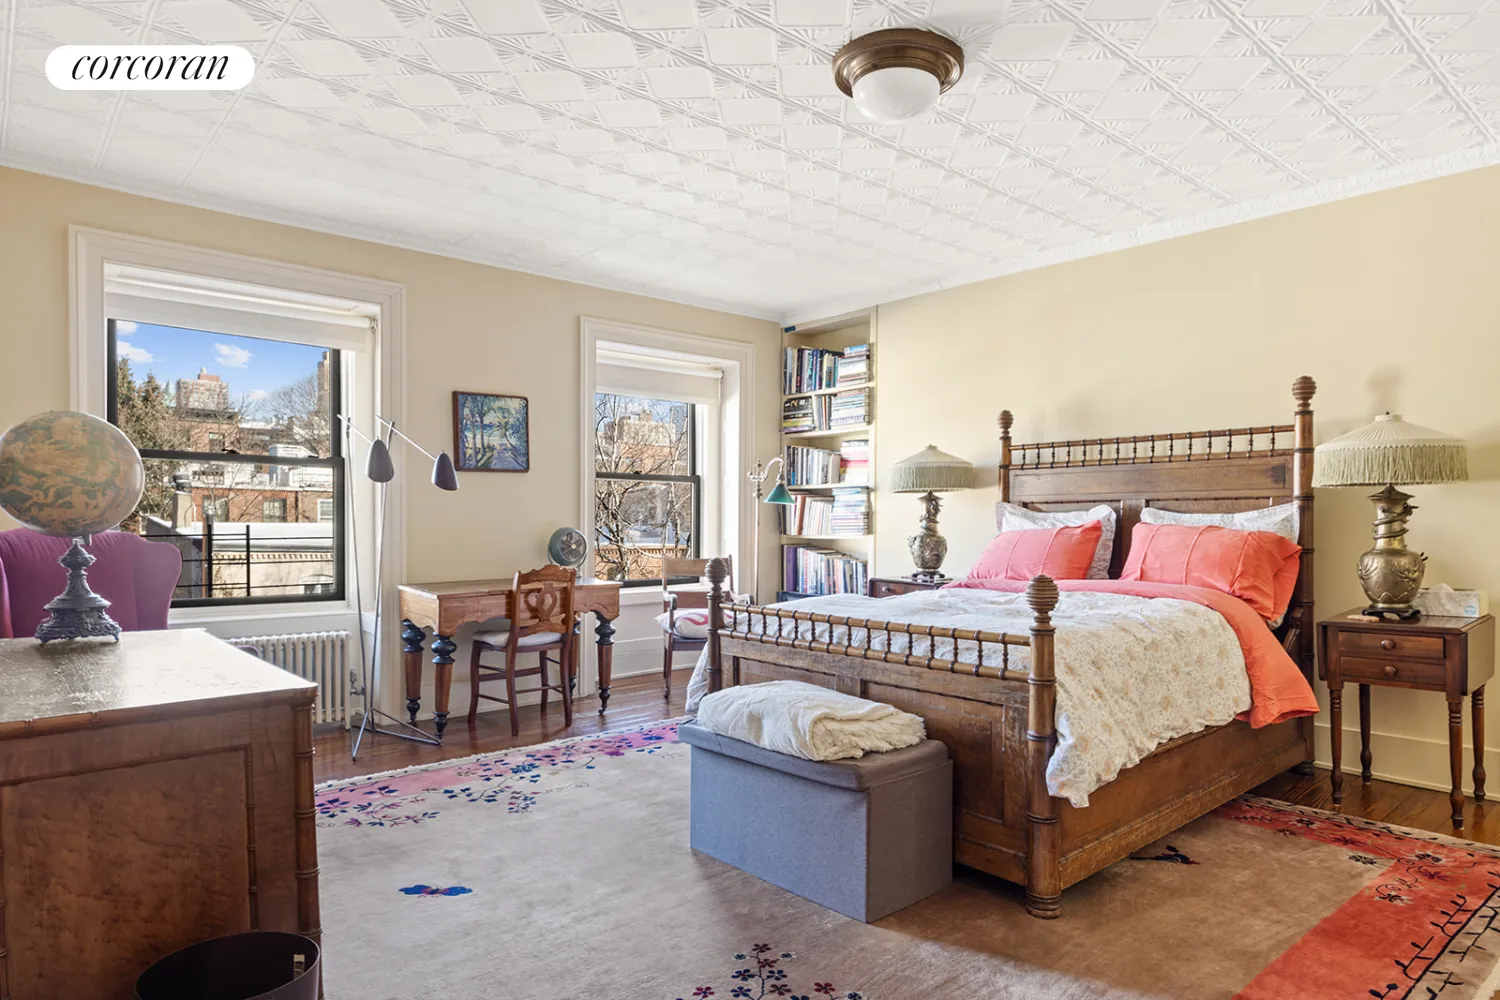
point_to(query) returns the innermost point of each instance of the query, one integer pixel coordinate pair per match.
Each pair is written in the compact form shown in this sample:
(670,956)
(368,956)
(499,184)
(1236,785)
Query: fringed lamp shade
(931,471)
(1391,452)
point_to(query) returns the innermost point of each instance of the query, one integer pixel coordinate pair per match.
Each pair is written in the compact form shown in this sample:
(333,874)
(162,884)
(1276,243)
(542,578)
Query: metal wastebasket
(260,965)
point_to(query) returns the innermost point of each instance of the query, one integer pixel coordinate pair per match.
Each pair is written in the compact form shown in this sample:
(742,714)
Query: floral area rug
(563,871)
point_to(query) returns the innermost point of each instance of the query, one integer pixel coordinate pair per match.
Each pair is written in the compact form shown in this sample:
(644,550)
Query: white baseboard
(1406,760)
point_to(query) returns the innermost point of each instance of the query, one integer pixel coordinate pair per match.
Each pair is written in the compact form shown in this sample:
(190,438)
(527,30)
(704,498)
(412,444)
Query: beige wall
(468,327)
(1388,300)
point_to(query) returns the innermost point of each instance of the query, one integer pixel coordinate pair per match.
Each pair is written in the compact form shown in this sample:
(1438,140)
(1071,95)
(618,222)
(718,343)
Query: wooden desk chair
(685,635)
(541,621)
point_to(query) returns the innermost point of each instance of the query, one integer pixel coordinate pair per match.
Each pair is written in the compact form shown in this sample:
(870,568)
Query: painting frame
(464,457)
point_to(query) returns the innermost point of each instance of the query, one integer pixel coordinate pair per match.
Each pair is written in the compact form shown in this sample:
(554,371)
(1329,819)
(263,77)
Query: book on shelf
(846,513)
(854,366)
(817,571)
(809,369)
(813,466)
(854,455)
(820,413)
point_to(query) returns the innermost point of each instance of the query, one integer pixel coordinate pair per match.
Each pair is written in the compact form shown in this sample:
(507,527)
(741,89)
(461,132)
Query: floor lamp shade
(1391,452)
(930,472)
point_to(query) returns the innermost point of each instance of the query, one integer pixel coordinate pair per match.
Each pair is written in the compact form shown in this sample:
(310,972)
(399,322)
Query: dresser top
(67,685)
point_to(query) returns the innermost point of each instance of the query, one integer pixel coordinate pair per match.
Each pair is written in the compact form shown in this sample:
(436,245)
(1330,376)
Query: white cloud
(124,326)
(129,352)
(256,395)
(232,357)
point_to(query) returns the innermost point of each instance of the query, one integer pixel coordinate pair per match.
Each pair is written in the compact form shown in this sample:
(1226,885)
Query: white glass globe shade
(896,93)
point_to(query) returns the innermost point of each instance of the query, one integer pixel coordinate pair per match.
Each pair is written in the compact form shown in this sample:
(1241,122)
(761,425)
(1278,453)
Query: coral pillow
(1062,553)
(1258,567)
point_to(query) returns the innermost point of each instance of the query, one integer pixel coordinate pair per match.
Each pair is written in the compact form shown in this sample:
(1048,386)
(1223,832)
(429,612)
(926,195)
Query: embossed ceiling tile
(1179,37)
(1419,125)
(1366,70)
(1478,34)
(359,18)
(326,57)
(1333,36)
(1225,73)
(1039,42)
(507,17)
(214,21)
(1261,103)
(1049,133)
(68,24)
(740,46)
(1075,75)
(1130,105)
(463,54)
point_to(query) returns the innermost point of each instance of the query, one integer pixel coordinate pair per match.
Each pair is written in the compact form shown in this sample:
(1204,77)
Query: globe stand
(78,612)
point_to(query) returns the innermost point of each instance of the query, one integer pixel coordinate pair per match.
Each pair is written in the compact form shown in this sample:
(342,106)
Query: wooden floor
(638,700)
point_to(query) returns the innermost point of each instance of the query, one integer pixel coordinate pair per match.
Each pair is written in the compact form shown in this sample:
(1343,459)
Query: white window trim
(733,534)
(90,250)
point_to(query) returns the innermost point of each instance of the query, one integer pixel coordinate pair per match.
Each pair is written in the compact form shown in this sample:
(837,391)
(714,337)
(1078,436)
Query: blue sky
(252,367)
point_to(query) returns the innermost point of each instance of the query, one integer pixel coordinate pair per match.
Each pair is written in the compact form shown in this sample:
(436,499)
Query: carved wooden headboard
(1227,470)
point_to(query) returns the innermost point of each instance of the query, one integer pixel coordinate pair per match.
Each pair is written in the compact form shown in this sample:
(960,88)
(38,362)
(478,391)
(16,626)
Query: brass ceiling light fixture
(897,73)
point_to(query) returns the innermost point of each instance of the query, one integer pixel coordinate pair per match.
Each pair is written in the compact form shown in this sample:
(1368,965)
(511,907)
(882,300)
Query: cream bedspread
(1132,672)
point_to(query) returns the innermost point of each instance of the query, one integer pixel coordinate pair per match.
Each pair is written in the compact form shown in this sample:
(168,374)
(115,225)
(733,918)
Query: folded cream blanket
(808,721)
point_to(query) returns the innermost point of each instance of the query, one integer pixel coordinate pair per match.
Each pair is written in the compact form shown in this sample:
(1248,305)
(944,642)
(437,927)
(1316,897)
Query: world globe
(69,474)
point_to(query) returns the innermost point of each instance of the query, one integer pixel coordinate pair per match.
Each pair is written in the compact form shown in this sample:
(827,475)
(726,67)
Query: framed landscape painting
(491,433)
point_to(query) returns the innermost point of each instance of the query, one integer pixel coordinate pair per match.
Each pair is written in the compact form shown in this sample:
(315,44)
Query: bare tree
(636,520)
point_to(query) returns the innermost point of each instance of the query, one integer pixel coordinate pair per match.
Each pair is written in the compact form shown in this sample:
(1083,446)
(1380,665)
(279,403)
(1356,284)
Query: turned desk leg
(1364,732)
(1476,701)
(1456,759)
(411,660)
(1336,740)
(442,679)
(605,633)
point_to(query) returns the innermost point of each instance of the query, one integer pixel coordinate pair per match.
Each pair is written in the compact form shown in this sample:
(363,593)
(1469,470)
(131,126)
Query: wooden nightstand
(1455,656)
(890,586)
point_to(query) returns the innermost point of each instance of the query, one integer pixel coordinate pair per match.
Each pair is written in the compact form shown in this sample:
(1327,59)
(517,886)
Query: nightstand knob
(1390,671)
(1387,643)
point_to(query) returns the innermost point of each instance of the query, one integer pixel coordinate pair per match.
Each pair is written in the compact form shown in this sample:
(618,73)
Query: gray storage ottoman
(864,837)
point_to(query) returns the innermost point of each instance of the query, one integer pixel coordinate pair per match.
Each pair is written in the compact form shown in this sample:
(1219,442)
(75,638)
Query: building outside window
(647,485)
(240,430)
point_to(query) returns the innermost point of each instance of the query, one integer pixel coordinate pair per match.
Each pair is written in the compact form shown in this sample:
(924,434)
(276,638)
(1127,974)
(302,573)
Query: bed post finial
(1044,854)
(1005,422)
(1303,390)
(717,574)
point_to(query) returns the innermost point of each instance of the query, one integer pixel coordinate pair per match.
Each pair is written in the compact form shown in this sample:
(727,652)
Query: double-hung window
(244,470)
(647,485)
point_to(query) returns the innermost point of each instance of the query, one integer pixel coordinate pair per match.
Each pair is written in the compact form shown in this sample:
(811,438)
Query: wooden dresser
(153,793)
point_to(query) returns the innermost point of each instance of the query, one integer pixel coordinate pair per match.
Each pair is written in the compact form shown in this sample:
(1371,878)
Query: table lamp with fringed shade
(930,472)
(1391,452)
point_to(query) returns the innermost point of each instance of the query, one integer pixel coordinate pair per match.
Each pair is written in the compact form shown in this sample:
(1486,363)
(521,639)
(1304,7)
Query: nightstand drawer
(1417,672)
(890,588)
(1384,644)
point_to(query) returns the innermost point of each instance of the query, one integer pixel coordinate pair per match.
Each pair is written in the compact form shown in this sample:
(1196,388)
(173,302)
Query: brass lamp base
(1390,573)
(927,546)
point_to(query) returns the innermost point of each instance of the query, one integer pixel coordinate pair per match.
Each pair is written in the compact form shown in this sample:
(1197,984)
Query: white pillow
(1282,520)
(1010,517)
(691,623)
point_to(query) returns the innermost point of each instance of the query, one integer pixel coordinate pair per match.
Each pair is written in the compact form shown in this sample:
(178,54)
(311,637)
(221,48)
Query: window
(646,485)
(240,429)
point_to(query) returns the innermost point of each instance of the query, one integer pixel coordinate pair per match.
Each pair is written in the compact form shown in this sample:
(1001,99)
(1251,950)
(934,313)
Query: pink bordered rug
(563,871)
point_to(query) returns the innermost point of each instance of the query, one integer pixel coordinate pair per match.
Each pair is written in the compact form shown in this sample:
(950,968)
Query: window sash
(334,462)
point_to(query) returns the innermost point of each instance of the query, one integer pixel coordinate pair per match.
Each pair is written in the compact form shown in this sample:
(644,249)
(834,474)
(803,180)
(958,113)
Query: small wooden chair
(673,601)
(541,621)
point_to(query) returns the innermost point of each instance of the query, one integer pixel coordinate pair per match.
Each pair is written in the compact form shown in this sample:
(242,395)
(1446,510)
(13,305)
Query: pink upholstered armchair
(137,577)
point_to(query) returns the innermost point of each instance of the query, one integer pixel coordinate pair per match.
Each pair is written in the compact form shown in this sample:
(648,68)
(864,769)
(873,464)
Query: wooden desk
(153,792)
(443,607)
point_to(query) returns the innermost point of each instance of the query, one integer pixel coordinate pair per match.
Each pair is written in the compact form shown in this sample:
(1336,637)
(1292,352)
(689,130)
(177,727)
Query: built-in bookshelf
(828,442)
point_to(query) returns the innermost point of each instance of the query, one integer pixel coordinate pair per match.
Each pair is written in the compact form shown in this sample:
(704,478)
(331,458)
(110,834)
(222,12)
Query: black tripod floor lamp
(380,470)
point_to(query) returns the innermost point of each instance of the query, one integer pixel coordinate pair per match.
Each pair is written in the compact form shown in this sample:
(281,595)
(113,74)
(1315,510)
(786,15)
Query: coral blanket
(1278,691)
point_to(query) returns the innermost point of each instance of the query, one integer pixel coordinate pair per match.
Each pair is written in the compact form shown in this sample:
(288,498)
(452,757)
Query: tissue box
(1446,600)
